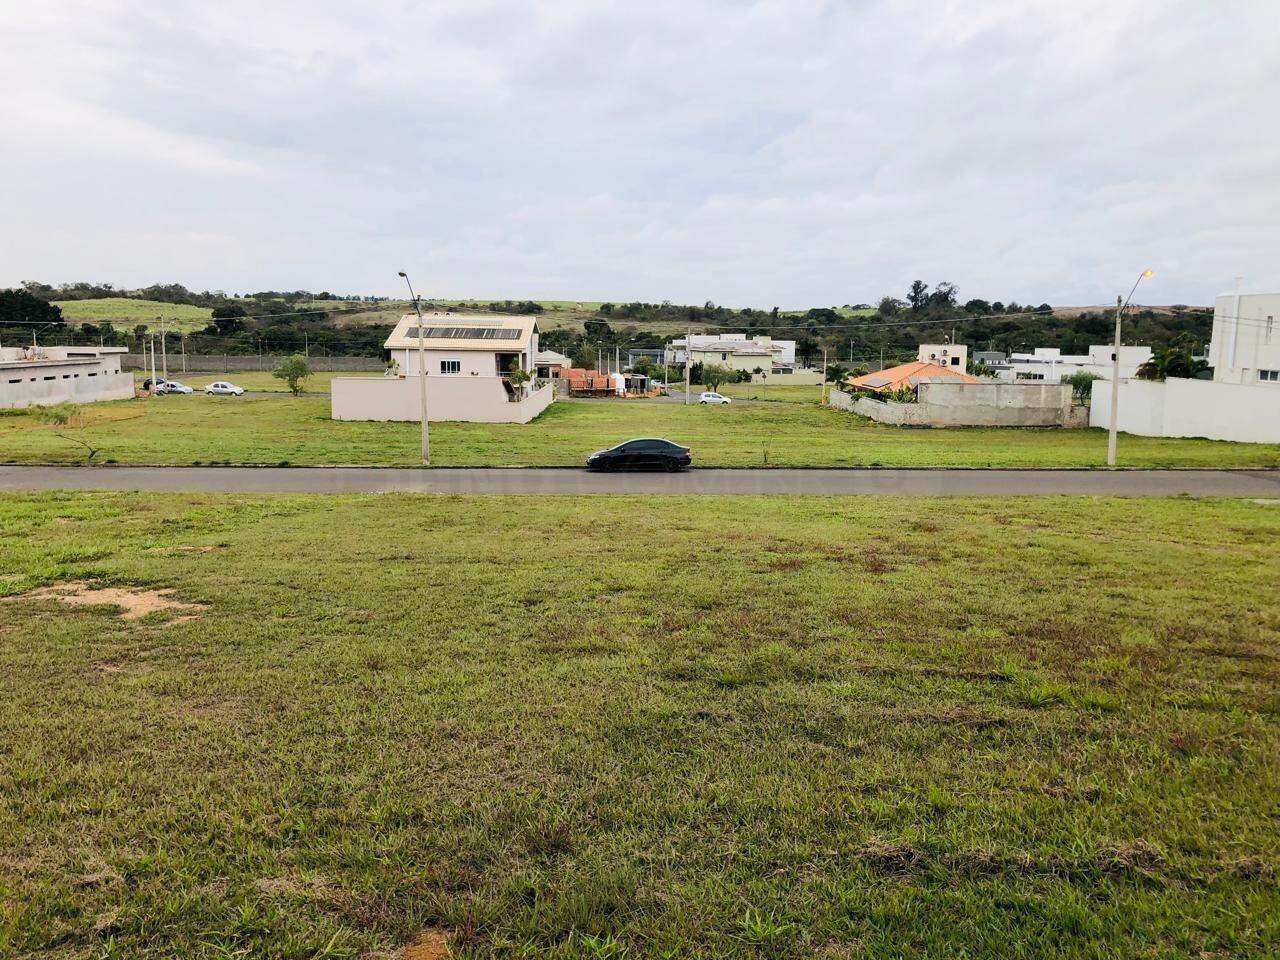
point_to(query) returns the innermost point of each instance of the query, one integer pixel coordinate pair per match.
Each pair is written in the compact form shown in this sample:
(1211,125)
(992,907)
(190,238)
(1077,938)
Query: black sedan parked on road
(643,454)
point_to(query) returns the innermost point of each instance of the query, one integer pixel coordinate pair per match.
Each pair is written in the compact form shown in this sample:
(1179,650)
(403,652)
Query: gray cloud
(796,152)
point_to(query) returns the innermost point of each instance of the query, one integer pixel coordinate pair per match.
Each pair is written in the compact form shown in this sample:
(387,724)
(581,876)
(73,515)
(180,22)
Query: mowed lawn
(641,727)
(282,429)
(779,393)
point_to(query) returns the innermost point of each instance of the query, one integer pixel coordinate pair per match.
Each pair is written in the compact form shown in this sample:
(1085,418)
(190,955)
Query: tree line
(292,321)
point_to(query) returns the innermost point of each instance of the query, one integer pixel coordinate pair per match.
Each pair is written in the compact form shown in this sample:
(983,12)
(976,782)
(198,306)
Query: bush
(1081,383)
(293,370)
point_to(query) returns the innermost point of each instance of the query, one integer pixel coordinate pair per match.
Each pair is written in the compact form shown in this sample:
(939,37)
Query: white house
(1241,402)
(469,360)
(1245,347)
(953,355)
(734,350)
(39,376)
(1049,364)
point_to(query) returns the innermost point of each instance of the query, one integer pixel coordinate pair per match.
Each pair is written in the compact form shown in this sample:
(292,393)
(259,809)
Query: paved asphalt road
(1123,483)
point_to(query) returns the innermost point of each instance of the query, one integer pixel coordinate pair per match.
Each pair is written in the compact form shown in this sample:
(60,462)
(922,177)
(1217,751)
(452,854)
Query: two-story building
(469,362)
(1245,347)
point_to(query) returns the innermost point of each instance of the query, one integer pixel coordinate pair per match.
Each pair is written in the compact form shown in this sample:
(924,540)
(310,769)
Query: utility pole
(183,342)
(688,358)
(824,375)
(306,344)
(1115,369)
(422,374)
(152,338)
(164,352)
(1115,387)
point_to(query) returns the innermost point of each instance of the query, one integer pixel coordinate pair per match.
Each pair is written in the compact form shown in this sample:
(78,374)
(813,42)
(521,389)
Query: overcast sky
(794,153)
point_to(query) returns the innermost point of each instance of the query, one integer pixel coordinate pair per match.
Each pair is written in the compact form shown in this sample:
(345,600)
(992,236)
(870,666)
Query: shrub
(293,370)
(1081,383)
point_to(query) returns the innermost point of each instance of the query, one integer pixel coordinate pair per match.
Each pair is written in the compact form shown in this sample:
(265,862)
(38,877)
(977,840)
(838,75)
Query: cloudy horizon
(797,153)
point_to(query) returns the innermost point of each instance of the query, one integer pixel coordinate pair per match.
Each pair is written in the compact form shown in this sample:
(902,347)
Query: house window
(450,366)
(1272,376)
(724,356)
(1270,323)
(955,361)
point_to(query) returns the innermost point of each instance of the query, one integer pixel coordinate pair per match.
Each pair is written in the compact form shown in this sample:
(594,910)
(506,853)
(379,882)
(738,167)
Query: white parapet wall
(1175,407)
(973,405)
(47,384)
(468,399)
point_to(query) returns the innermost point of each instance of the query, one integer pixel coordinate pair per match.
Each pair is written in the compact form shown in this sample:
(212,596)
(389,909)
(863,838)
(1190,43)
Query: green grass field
(779,393)
(125,314)
(641,727)
(270,430)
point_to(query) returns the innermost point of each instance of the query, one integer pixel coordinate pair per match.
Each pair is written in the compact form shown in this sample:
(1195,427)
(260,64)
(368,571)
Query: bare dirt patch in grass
(431,944)
(134,604)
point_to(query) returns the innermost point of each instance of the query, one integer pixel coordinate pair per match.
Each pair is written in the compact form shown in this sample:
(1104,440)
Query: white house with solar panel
(469,359)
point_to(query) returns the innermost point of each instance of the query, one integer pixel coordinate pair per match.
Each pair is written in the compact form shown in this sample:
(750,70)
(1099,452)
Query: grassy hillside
(748,728)
(124,313)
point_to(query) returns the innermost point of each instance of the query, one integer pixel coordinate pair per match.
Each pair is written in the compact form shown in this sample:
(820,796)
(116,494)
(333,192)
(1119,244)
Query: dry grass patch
(132,603)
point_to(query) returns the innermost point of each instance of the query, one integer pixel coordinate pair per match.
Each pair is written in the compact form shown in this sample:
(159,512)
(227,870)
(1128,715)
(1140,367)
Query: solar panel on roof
(464,333)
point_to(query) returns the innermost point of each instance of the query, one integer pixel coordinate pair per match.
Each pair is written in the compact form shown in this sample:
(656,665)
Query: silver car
(223,388)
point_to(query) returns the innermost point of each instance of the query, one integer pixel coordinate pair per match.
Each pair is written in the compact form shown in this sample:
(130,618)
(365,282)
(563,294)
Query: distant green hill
(126,313)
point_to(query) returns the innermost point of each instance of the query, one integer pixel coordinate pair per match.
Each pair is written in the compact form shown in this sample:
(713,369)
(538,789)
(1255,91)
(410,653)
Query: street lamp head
(403,274)
(1148,274)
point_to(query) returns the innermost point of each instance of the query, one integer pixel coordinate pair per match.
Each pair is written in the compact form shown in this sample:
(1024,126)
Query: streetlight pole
(422,373)
(1115,367)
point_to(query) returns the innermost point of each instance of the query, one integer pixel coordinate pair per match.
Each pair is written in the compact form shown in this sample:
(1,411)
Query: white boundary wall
(1191,408)
(70,382)
(973,405)
(467,399)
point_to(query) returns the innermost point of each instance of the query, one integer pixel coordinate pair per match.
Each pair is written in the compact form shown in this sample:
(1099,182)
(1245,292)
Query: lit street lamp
(1115,367)
(422,372)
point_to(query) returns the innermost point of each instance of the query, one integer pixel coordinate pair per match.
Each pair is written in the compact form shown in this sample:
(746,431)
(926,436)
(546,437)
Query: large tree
(918,295)
(19,307)
(227,320)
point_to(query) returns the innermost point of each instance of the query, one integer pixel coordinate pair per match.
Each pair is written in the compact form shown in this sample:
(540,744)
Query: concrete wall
(76,387)
(973,405)
(1246,412)
(468,399)
(212,363)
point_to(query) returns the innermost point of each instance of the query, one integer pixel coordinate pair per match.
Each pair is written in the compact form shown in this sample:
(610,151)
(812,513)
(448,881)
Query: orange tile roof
(907,375)
(581,379)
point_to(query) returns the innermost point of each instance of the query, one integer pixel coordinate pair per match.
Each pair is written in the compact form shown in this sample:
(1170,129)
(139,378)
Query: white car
(712,397)
(223,389)
(173,386)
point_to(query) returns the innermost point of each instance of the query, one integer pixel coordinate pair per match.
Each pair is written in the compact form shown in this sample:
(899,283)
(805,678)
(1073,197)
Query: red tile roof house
(907,375)
(949,398)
